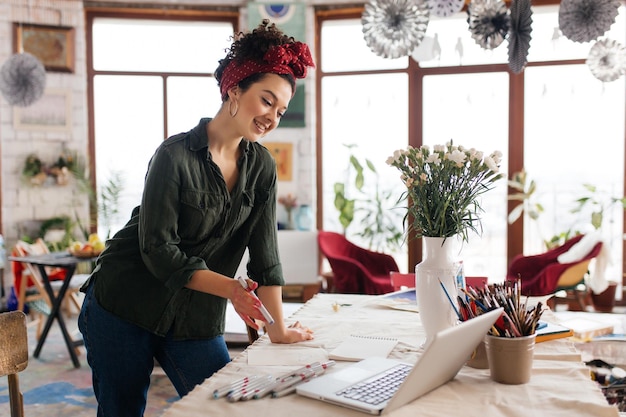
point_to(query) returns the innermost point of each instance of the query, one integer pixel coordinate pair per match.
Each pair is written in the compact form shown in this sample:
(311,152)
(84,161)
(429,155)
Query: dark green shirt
(188,221)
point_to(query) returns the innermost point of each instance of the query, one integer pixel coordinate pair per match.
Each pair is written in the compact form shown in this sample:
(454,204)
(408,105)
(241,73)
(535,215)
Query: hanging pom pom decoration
(607,60)
(394,28)
(489,22)
(22,79)
(519,35)
(445,8)
(586,20)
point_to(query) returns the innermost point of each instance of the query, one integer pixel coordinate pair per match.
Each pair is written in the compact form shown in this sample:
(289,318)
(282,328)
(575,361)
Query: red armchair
(542,274)
(356,270)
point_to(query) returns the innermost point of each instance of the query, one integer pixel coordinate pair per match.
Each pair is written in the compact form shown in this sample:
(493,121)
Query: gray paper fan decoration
(394,28)
(519,35)
(445,8)
(22,79)
(489,22)
(586,20)
(607,60)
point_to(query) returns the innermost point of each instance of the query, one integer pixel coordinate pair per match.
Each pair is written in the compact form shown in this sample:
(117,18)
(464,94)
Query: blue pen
(456,310)
(266,314)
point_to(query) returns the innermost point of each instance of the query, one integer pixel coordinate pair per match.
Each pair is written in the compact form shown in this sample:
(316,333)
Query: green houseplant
(525,189)
(592,207)
(595,203)
(108,204)
(106,200)
(598,202)
(372,206)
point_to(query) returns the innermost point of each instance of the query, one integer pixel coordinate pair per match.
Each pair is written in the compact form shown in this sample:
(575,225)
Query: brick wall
(22,202)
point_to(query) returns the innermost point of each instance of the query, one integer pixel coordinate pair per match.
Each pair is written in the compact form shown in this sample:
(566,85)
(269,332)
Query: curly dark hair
(253,46)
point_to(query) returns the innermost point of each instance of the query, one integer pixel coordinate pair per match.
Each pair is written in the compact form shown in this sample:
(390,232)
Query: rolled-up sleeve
(159,240)
(264,266)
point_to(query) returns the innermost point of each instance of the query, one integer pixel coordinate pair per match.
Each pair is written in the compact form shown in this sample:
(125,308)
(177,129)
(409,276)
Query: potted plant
(595,204)
(33,170)
(371,206)
(525,192)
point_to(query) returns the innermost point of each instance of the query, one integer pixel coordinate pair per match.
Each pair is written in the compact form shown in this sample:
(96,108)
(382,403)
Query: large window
(574,135)
(473,112)
(555,120)
(154,77)
(365,115)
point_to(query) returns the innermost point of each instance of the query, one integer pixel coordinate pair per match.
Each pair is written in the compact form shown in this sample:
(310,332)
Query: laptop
(442,359)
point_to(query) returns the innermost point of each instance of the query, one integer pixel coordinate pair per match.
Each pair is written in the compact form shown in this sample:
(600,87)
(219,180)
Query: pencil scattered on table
(254,387)
(517,319)
(225,390)
(245,391)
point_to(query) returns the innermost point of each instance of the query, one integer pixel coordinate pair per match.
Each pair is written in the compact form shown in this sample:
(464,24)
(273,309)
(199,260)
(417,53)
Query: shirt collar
(199,139)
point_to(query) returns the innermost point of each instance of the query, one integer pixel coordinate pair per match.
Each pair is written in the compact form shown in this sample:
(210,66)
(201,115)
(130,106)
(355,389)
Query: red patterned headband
(290,58)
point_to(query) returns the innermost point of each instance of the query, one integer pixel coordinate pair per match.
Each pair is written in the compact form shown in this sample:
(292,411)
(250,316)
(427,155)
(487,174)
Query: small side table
(60,260)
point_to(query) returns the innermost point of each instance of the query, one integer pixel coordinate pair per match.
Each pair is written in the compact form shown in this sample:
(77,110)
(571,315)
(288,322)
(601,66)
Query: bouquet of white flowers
(443,186)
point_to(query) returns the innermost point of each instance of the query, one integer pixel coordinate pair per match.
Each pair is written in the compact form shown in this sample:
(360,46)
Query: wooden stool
(13,356)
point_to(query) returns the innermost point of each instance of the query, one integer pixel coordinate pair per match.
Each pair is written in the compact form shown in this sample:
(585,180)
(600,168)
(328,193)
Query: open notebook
(441,361)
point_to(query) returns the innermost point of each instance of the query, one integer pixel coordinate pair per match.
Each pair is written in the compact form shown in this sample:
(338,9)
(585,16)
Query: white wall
(20,201)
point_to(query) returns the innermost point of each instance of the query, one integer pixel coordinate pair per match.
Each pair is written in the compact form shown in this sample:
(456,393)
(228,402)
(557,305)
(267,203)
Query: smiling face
(261,106)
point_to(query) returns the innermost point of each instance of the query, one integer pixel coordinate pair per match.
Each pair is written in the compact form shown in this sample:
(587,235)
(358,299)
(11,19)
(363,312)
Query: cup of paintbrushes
(509,346)
(510,358)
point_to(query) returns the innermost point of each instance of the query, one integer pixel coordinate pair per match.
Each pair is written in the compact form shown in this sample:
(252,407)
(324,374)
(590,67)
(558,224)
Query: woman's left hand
(293,333)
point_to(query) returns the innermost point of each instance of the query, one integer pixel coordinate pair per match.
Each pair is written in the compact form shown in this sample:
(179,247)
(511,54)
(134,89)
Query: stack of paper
(586,328)
(552,331)
(357,347)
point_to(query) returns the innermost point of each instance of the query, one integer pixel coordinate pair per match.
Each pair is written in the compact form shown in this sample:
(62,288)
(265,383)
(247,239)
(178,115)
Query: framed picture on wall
(294,117)
(51,113)
(283,154)
(52,45)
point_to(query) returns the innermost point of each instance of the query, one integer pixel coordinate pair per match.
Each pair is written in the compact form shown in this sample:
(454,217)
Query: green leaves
(594,204)
(371,206)
(359,179)
(598,203)
(110,194)
(343,205)
(526,194)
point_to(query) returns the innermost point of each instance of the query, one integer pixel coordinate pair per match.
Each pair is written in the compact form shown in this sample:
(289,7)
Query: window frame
(415,75)
(182,13)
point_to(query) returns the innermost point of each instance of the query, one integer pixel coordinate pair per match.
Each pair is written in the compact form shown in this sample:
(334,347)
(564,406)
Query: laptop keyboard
(378,388)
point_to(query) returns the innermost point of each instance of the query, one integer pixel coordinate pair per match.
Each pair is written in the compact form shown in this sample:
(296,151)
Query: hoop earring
(230,108)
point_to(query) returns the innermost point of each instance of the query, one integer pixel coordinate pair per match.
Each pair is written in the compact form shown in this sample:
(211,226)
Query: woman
(160,288)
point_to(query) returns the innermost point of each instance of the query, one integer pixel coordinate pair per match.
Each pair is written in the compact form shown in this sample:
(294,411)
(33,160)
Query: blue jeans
(121,356)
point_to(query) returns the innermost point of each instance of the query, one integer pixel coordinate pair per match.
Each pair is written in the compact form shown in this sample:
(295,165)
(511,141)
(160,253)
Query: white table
(560,384)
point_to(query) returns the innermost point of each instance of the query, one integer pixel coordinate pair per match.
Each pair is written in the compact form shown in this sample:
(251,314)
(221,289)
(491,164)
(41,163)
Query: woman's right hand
(245,304)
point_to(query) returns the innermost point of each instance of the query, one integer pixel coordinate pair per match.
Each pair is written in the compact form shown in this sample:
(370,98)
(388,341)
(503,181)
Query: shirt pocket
(262,196)
(200,213)
(247,204)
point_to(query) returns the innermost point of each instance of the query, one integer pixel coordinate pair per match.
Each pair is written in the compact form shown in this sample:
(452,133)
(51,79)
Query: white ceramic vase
(437,267)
